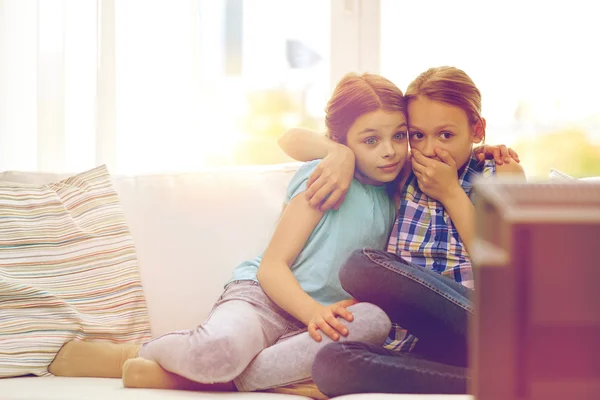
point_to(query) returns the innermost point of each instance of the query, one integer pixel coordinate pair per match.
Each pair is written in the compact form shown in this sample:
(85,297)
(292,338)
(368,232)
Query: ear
(479,131)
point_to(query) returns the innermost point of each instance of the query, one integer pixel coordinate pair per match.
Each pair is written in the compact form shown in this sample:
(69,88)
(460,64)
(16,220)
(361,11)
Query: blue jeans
(433,307)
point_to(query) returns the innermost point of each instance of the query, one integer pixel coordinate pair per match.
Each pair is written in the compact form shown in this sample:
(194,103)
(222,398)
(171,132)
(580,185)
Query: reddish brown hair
(356,95)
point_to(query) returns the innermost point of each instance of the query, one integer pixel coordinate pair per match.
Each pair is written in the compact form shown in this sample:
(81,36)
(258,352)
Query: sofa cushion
(191,229)
(68,270)
(60,388)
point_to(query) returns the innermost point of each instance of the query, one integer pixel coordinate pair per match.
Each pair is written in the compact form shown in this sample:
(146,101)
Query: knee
(218,359)
(370,324)
(356,271)
(332,369)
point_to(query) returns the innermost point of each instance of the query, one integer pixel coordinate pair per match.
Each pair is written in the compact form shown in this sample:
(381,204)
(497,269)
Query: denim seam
(412,367)
(435,373)
(388,265)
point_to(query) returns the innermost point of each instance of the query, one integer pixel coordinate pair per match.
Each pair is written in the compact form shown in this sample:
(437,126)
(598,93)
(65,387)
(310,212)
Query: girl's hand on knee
(325,319)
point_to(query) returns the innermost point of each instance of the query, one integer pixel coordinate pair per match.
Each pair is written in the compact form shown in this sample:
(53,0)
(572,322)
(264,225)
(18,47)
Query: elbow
(263,272)
(284,141)
(269,269)
(260,274)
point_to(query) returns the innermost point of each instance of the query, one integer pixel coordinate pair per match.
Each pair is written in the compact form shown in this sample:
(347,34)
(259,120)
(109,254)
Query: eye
(370,140)
(416,135)
(446,135)
(400,135)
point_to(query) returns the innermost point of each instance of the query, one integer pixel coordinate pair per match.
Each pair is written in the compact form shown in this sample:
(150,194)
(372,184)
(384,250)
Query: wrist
(454,192)
(344,155)
(309,311)
(332,146)
(336,148)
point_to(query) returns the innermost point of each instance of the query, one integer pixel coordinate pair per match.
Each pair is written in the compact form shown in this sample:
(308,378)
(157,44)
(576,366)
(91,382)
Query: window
(215,82)
(179,85)
(533,61)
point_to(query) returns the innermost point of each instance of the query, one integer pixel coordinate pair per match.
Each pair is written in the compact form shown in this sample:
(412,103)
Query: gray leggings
(248,339)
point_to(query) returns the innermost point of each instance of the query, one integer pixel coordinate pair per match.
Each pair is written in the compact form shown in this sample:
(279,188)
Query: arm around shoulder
(304,144)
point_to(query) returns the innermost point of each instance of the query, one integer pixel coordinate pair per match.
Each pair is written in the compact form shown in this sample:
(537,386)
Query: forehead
(379,120)
(423,112)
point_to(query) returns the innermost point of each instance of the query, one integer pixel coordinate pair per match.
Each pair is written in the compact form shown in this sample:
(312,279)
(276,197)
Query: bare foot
(305,388)
(142,373)
(92,359)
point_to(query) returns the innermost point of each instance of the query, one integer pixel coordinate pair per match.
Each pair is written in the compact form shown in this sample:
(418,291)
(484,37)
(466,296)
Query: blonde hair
(356,95)
(448,85)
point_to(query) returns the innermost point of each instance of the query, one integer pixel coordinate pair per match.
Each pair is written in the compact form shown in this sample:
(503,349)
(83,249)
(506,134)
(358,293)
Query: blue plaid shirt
(424,235)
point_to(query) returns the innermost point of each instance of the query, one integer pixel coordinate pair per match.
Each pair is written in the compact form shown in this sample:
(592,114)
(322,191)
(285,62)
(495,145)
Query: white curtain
(148,86)
(62,71)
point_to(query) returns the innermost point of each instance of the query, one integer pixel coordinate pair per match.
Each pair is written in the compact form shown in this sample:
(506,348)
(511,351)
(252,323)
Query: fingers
(504,153)
(337,325)
(318,192)
(325,194)
(316,174)
(342,312)
(495,152)
(313,332)
(417,167)
(445,157)
(314,187)
(421,179)
(421,159)
(337,205)
(514,155)
(327,329)
(481,152)
(333,199)
(321,195)
(329,323)
(347,303)
(417,156)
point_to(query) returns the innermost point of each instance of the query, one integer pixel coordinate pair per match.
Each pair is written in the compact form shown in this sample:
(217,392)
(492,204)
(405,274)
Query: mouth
(389,166)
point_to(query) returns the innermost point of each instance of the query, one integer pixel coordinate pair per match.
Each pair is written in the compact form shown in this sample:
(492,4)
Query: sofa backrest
(191,229)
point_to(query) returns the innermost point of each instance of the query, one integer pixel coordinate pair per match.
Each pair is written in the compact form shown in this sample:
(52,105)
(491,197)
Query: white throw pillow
(557,175)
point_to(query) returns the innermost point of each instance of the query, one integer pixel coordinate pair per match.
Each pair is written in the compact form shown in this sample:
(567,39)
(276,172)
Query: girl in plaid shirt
(424,280)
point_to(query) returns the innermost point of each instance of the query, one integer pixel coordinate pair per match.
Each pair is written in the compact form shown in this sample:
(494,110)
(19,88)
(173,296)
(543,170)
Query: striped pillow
(68,270)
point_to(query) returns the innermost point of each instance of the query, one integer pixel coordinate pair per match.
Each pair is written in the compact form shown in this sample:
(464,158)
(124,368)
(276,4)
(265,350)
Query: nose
(389,151)
(428,148)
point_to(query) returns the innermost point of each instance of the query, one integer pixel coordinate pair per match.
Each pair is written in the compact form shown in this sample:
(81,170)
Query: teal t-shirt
(363,220)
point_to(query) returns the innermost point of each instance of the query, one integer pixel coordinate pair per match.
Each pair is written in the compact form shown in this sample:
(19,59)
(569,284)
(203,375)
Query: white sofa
(190,231)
